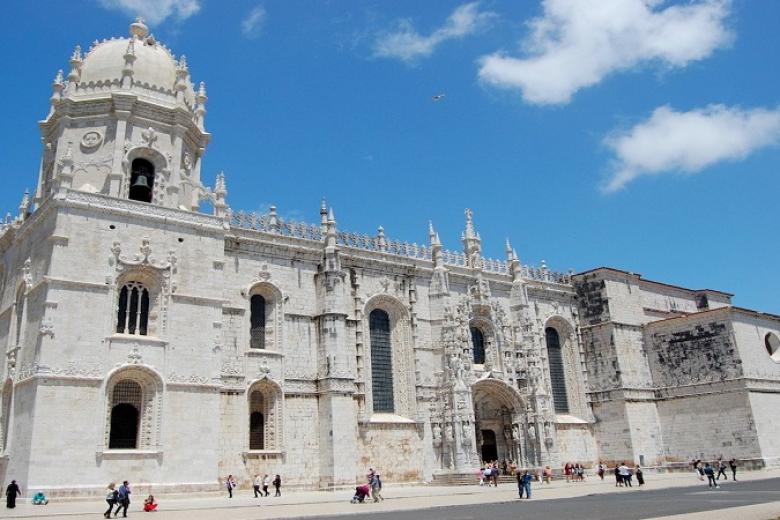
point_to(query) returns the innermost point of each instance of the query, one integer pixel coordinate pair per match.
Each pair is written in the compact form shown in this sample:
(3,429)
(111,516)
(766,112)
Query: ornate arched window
(126,405)
(256,421)
(381,361)
(133,410)
(265,416)
(478,345)
(141,180)
(257,321)
(557,371)
(133,309)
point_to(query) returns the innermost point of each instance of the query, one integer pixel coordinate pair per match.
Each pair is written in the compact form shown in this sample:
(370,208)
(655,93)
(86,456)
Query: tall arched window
(126,403)
(256,421)
(6,411)
(19,311)
(557,373)
(381,361)
(257,321)
(478,346)
(133,309)
(141,180)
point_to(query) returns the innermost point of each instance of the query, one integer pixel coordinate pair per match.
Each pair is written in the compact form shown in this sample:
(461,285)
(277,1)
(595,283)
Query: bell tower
(126,122)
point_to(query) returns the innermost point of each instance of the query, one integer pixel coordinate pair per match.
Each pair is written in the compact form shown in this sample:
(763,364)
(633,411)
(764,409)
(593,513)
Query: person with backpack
(123,499)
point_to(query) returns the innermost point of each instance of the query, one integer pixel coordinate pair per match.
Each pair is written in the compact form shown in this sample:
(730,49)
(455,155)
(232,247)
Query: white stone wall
(707,425)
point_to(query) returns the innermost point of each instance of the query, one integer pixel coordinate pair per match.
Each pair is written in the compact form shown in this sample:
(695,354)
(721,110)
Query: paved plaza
(755,496)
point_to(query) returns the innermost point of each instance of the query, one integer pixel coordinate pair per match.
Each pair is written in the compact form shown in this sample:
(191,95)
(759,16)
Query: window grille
(133,309)
(557,372)
(478,346)
(381,361)
(126,403)
(257,322)
(256,421)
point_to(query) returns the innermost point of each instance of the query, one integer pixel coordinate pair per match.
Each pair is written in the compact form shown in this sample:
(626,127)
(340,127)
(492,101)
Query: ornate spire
(56,89)
(220,194)
(75,66)
(273,219)
(201,98)
(381,241)
(323,217)
(513,262)
(24,206)
(332,259)
(472,243)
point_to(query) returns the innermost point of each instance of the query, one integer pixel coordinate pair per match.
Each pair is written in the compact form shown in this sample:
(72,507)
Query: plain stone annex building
(149,341)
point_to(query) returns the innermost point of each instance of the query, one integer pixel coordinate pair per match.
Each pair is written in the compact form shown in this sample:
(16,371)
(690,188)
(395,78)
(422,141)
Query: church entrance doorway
(489,448)
(498,410)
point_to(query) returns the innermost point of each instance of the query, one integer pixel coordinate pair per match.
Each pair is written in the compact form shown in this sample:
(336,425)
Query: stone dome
(154,68)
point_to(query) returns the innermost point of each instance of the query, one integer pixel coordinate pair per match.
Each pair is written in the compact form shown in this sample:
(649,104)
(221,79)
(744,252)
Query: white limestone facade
(146,340)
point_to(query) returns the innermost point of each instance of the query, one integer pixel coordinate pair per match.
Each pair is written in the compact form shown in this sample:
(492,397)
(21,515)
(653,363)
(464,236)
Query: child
(149,504)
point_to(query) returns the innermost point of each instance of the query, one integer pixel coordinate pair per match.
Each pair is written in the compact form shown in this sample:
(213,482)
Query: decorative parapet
(273,224)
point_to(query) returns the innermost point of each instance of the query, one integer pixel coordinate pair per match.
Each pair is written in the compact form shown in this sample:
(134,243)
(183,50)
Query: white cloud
(688,142)
(253,23)
(407,44)
(577,43)
(155,11)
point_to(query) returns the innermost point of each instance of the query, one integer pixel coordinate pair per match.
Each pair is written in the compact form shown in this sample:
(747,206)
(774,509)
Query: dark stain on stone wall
(592,299)
(701,353)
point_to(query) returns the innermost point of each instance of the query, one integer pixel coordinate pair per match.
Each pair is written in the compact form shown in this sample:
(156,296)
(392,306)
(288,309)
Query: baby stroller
(361,492)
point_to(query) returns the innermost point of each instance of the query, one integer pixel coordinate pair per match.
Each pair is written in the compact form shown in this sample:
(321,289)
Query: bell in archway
(140,190)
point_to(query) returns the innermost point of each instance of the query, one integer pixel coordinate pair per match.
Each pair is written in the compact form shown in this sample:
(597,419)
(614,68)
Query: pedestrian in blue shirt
(524,484)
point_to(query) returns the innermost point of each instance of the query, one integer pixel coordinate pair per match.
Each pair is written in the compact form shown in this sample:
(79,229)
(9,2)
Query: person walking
(567,472)
(547,474)
(640,476)
(733,466)
(625,474)
(278,485)
(618,477)
(600,471)
(11,492)
(524,484)
(230,484)
(722,469)
(266,483)
(123,499)
(710,473)
(256,482)
(376,488)
(111,498)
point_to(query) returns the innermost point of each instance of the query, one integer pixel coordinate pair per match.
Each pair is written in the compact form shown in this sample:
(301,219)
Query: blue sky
(624,133)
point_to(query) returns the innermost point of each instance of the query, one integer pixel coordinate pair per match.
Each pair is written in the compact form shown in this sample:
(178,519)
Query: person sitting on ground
(149,504)
(39,499)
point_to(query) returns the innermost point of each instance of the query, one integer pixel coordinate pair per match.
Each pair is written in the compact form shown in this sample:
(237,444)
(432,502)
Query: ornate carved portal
(500,423)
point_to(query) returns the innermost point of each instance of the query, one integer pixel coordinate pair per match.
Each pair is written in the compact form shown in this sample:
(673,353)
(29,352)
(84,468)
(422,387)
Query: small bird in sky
(437,97)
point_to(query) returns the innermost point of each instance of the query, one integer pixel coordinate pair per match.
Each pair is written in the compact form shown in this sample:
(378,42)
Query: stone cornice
(140,210)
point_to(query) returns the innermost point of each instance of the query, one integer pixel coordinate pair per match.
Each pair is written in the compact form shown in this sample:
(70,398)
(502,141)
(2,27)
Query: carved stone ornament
(134,356)
(27,274)
(149,136)
(91,140)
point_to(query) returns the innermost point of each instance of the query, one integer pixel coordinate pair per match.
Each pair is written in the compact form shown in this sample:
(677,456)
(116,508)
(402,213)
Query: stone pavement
(299,504)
